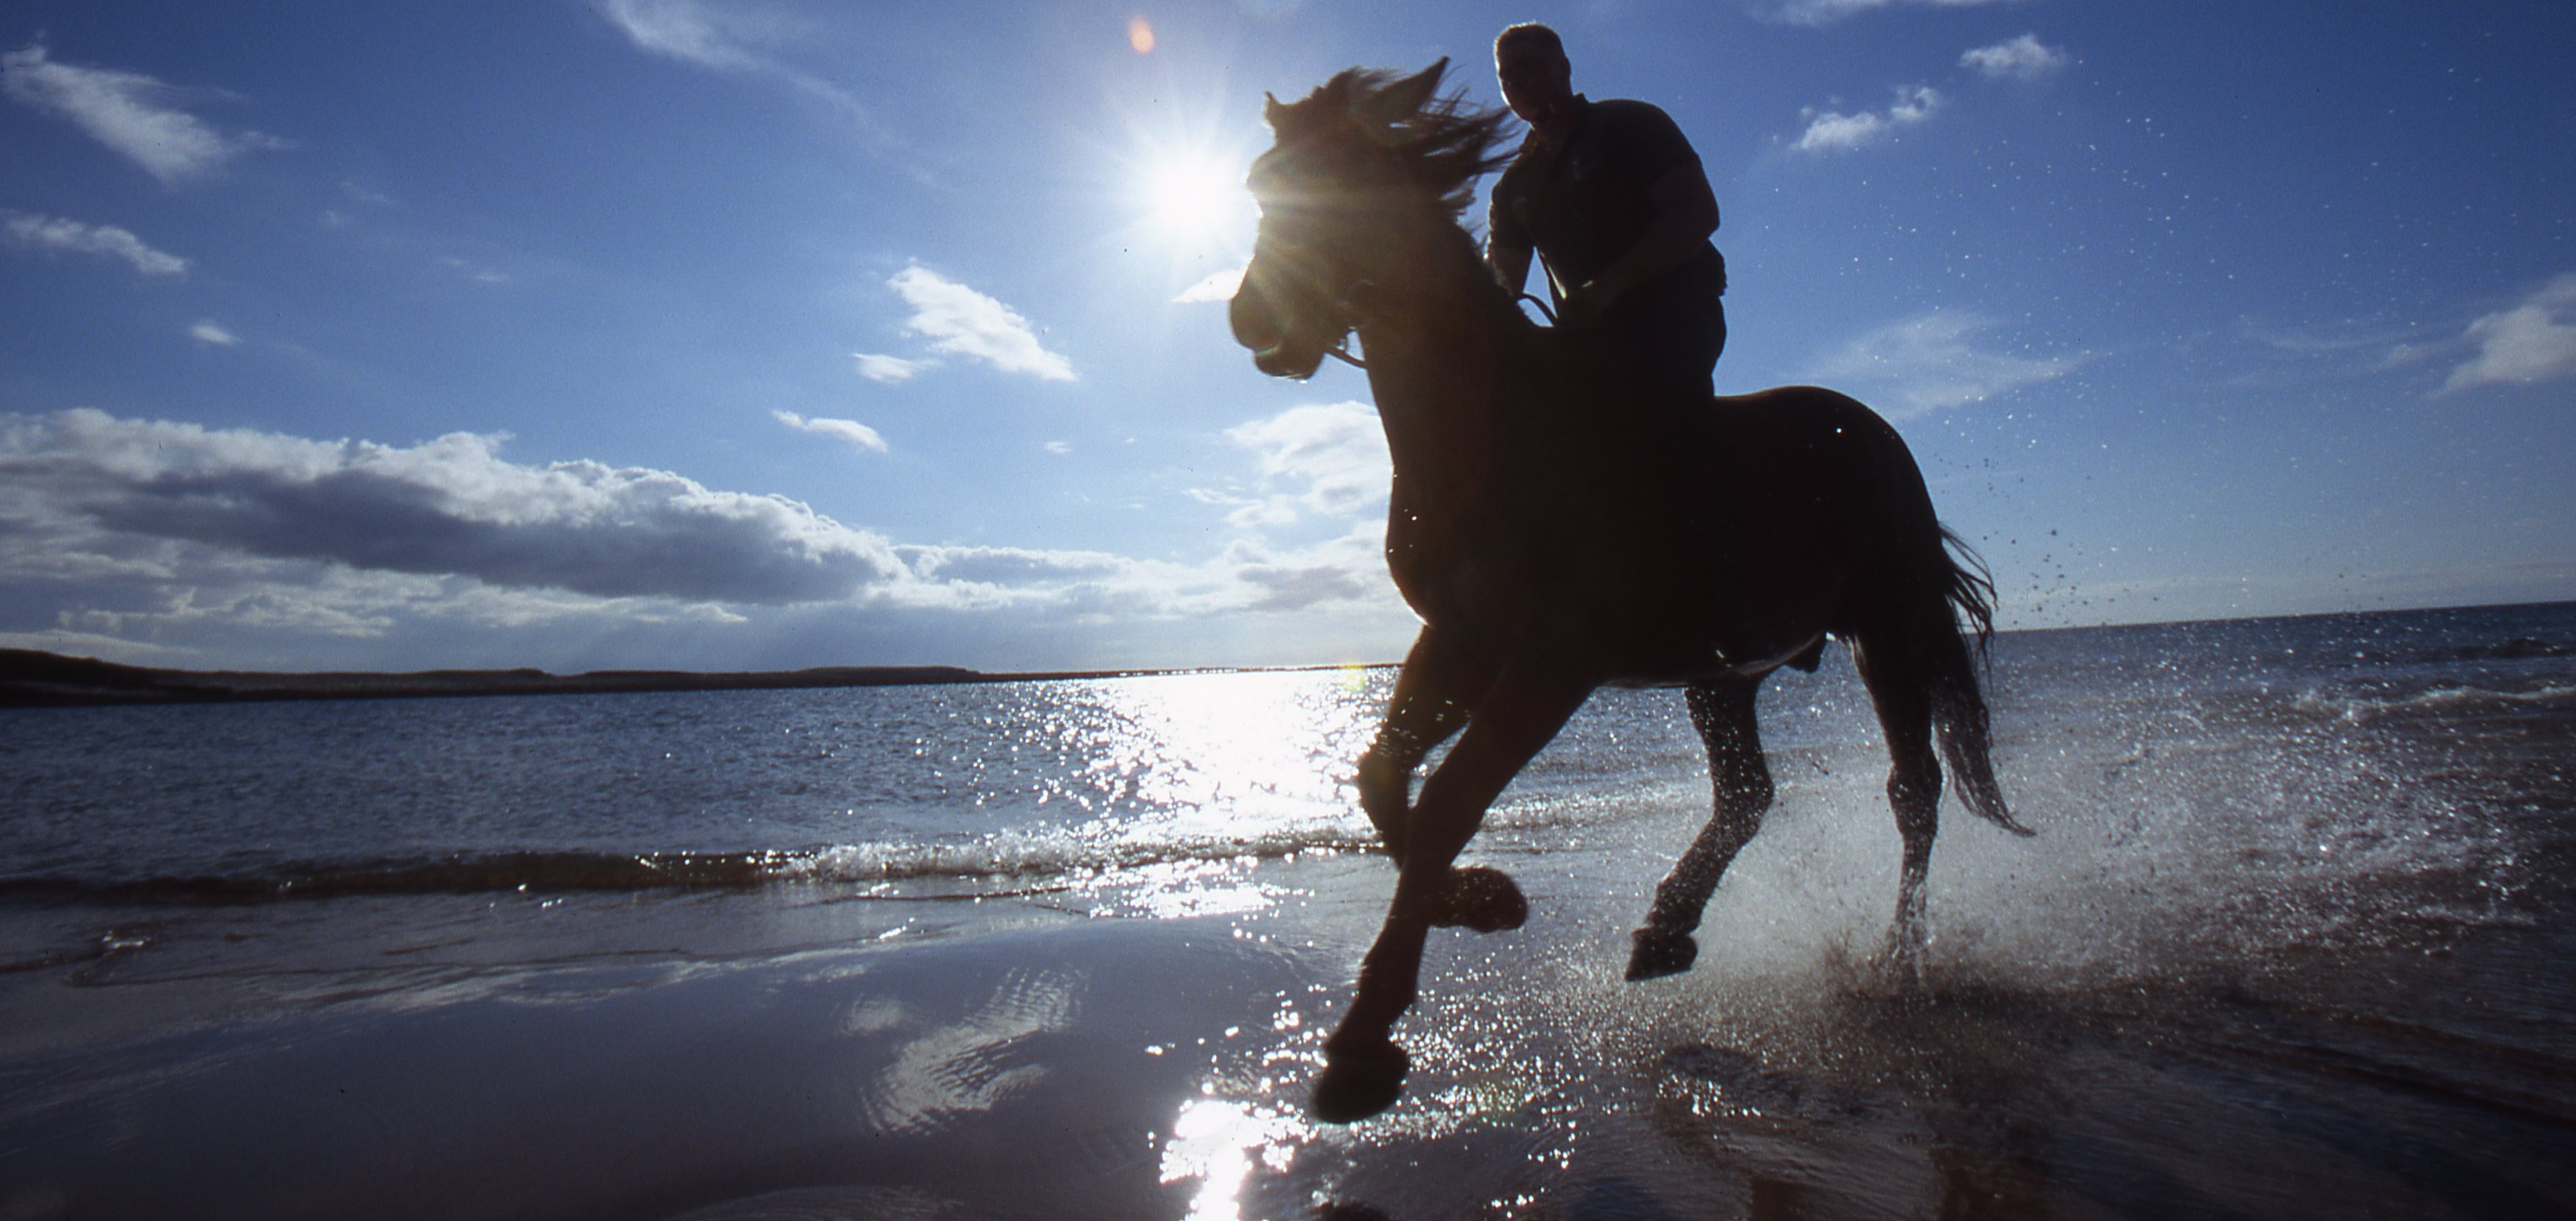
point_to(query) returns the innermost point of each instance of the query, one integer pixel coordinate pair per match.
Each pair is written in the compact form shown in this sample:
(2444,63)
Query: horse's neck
(1448,347)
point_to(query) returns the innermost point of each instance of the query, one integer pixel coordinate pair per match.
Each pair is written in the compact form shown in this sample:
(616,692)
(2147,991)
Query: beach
(2292,942)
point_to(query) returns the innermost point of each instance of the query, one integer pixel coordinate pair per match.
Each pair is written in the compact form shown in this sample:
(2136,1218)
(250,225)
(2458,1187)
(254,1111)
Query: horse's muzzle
(1258,326)
(1280,361)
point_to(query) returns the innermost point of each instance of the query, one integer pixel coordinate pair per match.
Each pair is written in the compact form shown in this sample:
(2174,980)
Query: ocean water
(2294,938)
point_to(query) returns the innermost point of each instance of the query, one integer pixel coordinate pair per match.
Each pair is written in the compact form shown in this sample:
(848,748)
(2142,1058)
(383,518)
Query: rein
(1342,351)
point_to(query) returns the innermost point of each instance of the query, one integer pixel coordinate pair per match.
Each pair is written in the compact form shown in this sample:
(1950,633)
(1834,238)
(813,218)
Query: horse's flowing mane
(1445,144)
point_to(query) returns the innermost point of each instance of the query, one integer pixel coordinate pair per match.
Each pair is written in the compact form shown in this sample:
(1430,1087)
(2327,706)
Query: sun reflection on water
(1218,1141)
(1224,758)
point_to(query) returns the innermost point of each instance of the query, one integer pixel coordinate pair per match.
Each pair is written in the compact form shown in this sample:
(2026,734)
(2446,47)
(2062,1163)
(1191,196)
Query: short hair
(1529,31)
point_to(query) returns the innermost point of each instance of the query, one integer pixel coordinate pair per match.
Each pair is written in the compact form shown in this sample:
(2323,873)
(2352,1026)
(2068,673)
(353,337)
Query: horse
(1557,526)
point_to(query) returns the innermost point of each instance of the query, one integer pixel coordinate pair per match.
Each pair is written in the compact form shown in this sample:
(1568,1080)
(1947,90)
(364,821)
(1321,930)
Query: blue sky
(773,333)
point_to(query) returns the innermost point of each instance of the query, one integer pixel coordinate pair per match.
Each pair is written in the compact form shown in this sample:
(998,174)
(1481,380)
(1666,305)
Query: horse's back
(1812,485)
(1806,449)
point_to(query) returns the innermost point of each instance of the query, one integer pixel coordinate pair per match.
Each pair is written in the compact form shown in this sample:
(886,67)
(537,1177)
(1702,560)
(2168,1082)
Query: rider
(1612,198)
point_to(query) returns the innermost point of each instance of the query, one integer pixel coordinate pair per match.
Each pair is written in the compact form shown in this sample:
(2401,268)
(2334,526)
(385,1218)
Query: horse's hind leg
(1723,714)
(1895,664)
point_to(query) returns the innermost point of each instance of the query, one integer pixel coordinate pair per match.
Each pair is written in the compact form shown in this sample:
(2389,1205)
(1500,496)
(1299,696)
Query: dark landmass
(34,679)
(30,678)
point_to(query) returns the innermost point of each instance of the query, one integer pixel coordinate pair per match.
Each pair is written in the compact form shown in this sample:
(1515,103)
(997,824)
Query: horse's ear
(1405,98)
(1271,111)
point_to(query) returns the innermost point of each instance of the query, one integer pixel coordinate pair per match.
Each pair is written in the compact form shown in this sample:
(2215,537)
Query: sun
(1192,200)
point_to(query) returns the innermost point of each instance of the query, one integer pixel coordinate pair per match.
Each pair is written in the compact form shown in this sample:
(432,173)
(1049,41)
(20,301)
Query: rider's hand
(1585,304)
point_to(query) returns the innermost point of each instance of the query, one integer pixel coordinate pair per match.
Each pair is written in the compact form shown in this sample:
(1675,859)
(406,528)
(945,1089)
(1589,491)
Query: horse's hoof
(1486,900)
(1659,953)
(1900,968)
(1356,1084)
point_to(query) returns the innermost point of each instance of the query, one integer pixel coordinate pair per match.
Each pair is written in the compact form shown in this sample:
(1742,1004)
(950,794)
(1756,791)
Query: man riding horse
(1611,197)
(1548,552)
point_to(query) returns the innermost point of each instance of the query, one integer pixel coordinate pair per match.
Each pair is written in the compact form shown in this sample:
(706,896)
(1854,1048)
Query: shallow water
(2293,940)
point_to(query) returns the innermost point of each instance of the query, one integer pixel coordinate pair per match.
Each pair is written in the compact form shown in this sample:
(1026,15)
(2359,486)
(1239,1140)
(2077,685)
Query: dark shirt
(1584,204)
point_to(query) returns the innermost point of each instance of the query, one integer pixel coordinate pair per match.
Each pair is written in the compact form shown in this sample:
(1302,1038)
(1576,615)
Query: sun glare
(1195,199)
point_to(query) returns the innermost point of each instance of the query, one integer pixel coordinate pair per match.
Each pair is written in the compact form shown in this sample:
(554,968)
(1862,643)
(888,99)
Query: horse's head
(1350,165)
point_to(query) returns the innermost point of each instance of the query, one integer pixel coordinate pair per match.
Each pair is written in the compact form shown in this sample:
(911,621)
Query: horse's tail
(1958,706)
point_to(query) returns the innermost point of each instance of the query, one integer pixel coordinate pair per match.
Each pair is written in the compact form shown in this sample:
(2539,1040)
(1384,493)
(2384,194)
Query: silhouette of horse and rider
(1572,505)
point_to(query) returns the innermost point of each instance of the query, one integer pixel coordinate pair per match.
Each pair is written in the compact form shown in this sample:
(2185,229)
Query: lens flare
(1140,34)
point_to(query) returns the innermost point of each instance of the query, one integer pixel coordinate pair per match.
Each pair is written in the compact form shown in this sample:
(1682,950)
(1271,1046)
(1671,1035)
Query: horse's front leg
(1433,697)
(1431,701)
(1364,1069)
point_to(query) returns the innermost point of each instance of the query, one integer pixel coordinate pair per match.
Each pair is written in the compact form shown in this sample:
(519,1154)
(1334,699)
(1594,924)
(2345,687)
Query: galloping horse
(1556,527)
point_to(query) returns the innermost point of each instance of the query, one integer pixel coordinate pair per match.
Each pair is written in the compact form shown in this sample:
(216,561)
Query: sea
(2294,938)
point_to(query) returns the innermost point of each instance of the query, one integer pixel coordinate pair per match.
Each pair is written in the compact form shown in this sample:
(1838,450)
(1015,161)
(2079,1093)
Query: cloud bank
(93,484)
(2534,341)
(54,233)
(1929,363)
(129,112)
(145,538)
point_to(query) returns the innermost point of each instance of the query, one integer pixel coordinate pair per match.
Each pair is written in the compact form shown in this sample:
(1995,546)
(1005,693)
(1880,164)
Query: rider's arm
(1685,216)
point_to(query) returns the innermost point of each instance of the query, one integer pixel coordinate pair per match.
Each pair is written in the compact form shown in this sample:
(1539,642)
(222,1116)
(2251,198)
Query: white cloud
(958,321)
(2024,58)
(723,37)
(1823,12)
(1928,363)
(1334,456)
(56,233)
(682,30)
(889,369)
(2534,341)
(1831,132)
(129,112)
(473,271)
(208,333)
(1218,287)
(1059,447)
(858,435)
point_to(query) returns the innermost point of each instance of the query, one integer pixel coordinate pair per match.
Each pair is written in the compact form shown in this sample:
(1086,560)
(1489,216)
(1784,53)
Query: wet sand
(1103,1052)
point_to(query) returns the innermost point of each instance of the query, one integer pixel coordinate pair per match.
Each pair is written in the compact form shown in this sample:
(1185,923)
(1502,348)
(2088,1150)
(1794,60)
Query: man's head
(1530,64)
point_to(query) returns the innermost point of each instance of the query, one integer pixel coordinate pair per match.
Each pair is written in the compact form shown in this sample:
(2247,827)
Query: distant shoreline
(30,678)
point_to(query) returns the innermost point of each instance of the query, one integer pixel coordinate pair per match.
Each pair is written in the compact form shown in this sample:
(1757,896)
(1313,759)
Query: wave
(1021,859)
(2445,699)
(2518,648)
